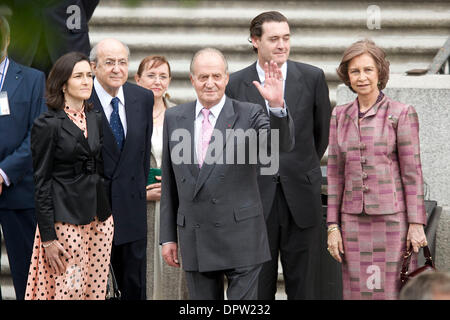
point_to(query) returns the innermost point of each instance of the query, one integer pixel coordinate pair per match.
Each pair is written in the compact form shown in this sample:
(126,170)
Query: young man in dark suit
(211,208)
(291,198)
(127,129)
(21,101)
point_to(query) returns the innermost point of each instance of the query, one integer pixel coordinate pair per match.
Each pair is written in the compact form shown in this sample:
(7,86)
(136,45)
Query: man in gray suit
(211,207)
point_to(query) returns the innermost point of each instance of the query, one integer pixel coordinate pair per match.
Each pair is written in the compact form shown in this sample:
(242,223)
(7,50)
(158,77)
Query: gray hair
(425,285)
(93,57)
(208,50)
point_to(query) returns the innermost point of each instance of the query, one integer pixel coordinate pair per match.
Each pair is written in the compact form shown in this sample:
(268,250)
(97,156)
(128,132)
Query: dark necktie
(116,124)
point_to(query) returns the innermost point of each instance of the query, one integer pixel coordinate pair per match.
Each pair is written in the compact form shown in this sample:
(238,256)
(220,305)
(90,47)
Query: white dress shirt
(213,115)
(105,99)
(4,65)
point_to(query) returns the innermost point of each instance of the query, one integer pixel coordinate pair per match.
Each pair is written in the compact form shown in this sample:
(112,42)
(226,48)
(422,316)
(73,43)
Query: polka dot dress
(89,246)
(87,271)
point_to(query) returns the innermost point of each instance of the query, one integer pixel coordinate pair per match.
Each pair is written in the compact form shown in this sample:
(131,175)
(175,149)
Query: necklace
(155,117)
(361,113)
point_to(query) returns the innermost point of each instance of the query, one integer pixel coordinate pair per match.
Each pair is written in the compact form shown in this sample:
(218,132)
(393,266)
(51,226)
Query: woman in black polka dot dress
(72,246)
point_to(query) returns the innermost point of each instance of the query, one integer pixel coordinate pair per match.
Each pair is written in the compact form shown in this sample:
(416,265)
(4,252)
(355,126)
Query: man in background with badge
(21,101)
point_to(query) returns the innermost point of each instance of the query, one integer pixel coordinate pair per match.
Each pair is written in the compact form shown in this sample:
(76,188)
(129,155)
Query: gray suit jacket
(217,208)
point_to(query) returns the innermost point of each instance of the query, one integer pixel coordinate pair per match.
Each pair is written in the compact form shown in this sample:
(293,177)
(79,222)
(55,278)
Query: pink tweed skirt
(374,246)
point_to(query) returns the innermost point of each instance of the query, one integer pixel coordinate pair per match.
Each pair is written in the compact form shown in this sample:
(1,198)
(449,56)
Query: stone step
(331,44)
(321,30)
(301,13)
(180,68)
(181,92)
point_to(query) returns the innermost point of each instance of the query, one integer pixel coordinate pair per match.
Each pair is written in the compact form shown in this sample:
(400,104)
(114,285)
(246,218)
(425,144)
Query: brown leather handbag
(428,266)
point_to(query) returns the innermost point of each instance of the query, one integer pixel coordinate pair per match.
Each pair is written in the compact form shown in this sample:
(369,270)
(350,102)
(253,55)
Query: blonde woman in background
(163,282)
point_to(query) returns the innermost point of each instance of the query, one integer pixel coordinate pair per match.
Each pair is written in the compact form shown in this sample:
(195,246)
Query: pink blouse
(78,117)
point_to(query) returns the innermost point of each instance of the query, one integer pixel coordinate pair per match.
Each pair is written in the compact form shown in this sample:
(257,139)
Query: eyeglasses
(162,77)
(112,63)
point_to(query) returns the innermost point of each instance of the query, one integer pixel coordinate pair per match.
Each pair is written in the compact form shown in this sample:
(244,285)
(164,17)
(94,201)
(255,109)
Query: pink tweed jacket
(374,166)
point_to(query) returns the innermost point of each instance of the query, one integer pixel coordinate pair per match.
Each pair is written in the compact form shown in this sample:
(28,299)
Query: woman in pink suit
(375,187)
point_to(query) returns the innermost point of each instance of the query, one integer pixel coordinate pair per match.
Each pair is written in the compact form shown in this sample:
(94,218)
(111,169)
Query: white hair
(208,50)
(94,51)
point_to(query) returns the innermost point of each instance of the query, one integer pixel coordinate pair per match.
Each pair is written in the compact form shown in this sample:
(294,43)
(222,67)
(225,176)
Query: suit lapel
(293,86)
(13,79)
(92,130)
(226,120)
(132,114)
(72,129)
(109,142)
(252,93)
(187,121)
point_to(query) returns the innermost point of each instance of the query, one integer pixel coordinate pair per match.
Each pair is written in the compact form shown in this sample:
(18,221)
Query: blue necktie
(116,124)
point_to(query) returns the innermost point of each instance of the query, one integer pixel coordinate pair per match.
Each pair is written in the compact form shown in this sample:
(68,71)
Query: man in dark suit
(44,30)
(21,101)
(127,126)
(210,203)
(291,198)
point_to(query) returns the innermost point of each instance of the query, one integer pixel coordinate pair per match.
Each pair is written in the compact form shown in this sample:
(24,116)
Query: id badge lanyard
(3,73)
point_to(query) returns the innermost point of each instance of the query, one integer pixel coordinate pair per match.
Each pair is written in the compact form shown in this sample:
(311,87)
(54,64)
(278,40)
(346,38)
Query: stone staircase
(410,31)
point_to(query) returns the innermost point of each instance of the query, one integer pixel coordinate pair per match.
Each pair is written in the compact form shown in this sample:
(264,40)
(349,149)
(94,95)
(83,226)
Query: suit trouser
(298,249)
(242,284)
(129,263)
(19,228)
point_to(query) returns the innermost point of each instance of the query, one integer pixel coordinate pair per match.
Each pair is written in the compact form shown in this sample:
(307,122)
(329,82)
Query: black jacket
(126,172)
(68,171)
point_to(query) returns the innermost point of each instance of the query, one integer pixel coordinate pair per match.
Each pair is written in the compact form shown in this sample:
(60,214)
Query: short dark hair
(58,77)
(258,21)
(358,48)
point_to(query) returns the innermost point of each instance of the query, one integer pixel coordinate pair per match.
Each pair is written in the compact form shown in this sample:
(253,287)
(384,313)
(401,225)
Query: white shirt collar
(2,65)
(3,76)
(215,110)
(104,97)
(262,76)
